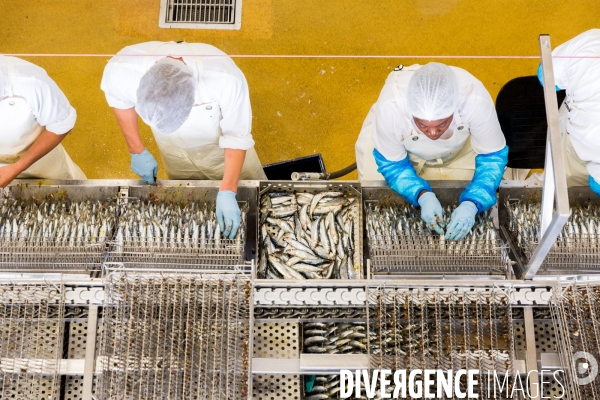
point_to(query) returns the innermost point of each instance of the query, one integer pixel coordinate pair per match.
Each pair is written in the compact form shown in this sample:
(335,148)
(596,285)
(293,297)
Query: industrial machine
(119,290)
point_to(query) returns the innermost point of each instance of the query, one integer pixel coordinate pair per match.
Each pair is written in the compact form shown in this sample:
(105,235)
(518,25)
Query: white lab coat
(389,124)
(29,102)
(581,79)
(221,117)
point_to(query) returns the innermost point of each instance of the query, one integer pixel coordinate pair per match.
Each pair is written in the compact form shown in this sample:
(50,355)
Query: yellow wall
(301,106)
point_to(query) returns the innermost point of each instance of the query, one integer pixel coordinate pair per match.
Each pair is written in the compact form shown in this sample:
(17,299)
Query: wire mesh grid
(406,247)
(201,11)
(577,247)
(575,312)
(157,243)
(54,233)
(568,254)
(31,335)
(175,336)
(443,330)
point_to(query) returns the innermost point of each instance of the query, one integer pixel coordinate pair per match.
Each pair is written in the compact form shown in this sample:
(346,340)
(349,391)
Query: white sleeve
(236,122)
(479,112)
(50,106)
(119,83)
(391,126)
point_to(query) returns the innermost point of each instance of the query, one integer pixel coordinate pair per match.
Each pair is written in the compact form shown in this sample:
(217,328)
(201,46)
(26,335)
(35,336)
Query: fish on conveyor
(160,225)
(581,231)
(56,222)
(308,236)
(395,224)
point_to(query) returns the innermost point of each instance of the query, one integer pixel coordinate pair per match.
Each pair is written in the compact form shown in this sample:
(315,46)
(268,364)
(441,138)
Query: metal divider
(555,193)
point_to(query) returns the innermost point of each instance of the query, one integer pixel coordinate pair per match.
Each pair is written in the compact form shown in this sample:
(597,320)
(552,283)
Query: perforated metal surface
(545,337)
(38,388)
(73,389)
(555,391)
(276,387)
(77,339)
(276,340)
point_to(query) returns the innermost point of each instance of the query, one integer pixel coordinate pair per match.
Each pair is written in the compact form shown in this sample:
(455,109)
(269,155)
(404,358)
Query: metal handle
(554,194)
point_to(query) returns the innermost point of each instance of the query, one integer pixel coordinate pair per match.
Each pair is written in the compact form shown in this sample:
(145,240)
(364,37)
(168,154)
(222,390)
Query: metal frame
(236,25)
(555,181)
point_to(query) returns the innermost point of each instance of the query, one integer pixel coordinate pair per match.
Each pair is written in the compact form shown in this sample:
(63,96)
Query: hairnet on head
(165,95)
(433,92)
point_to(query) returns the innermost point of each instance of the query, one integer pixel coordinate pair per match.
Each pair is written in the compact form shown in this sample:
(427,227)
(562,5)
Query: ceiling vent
(201,14)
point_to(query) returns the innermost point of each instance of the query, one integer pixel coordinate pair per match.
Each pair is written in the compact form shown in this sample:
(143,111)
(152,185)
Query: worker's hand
(7,174)
(462,220)
(432,212)
(145,165)
(228,213)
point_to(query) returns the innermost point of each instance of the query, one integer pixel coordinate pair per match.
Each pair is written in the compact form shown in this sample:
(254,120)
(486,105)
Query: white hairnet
(165,95)
(433,92)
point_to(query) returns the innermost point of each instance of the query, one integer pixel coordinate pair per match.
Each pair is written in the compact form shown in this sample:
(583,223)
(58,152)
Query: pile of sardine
(312,312)
(151,225)
(306,236)
(335,338)
(327,387)
(582,229)
(55,222)
(402,224)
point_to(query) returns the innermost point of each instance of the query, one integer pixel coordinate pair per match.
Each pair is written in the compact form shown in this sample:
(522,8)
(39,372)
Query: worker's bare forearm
(128,122)
(234,161)
(38,149)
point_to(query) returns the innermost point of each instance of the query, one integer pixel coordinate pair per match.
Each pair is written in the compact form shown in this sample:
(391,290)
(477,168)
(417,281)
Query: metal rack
(425,253)
(175,336)
(50,253)
(30,340)
(188,253)
(568,256)
(575,313)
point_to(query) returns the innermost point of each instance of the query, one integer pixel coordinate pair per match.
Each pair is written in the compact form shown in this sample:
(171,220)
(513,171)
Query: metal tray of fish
(309,230)
(56,227)
(398,241)
(175,228)
(577,248)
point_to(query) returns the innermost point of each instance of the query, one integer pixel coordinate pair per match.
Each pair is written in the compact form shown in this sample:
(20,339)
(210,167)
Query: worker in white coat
(35,116)
(577,70)
(435,122)
(196,101)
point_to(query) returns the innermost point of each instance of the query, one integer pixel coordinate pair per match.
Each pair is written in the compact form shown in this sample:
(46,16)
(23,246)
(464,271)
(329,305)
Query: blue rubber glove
(432,212)
(145,165)
(594,185)
(401,177)
(541,77)
(228,213)
(489,169)
(462,220)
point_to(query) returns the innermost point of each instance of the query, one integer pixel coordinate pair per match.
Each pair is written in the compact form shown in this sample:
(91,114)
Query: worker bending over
(35,116)
(577,69)
(419,130)
(196,101)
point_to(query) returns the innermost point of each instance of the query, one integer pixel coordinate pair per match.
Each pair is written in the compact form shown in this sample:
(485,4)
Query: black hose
(342,172)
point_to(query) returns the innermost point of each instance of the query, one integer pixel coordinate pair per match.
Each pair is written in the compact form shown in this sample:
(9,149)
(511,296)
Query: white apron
(19,129)
(192,151)
(442,159)
(575,168)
